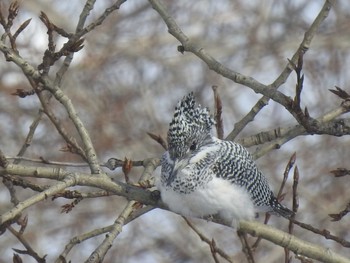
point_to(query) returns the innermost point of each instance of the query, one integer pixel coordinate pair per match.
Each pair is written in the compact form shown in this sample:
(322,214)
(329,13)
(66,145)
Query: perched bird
(202,175)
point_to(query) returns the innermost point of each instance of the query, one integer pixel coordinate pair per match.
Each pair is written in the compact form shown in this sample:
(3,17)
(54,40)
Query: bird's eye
(193,146)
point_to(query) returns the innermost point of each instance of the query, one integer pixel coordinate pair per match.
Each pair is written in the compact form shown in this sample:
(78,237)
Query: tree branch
(31,72)
(146,197)
(298,246)
(70,179)
(282,78)
(216,66)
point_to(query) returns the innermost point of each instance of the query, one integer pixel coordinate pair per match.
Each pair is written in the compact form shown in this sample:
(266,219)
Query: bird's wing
(236,165)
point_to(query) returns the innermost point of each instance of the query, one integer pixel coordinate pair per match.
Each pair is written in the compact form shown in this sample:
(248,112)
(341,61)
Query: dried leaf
(289,166)
(137,205)
(13,12)
(335,217)
(45,19)
(77,45)
(68,148)
(341,214)
(65,149)
(127,165)
(16,258)
(21,28)
(2,18)
(291,161)
(20,251)
(339,172)
(23,222)
(340,93)
(218,113)
(23,93)
(213,246)
(295,189)
(158,139)
(67,208)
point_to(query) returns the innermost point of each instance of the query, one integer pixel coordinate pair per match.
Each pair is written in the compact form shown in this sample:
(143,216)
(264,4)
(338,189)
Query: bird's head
(189,128)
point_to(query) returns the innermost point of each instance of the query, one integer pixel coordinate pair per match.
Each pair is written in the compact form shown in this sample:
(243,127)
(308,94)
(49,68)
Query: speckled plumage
(202,175)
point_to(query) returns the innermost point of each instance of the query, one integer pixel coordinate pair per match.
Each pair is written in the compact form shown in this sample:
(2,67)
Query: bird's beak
(173,173)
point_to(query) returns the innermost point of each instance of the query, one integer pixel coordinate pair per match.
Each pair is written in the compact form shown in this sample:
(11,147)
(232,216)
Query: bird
(203,176)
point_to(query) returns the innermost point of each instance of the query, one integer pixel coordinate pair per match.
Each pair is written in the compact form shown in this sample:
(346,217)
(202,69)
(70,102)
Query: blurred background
(126,82)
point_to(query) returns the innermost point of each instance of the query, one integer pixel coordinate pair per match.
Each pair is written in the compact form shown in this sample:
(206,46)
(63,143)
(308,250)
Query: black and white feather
(202,175)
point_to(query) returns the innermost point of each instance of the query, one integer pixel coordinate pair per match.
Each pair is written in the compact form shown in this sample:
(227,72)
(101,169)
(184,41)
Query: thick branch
(146,197)
(298,246)
(69,179)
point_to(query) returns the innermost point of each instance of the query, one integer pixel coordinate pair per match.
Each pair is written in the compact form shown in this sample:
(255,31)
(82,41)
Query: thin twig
(216,66)
(25,183)
(332,126)
(214,249)
(295,208)
(72,144)
(341,214)
(29,137)
(101,19)
(99,253)
(325,233)
(219,124)
(29,250)
(289,166)
(339,172)
(304,46)
(159,139)
(246,248)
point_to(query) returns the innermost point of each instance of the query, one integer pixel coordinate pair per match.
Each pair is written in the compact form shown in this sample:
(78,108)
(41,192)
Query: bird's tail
(280,209)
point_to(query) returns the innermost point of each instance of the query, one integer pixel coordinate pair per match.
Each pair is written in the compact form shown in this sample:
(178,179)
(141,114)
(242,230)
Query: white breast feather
(221,197)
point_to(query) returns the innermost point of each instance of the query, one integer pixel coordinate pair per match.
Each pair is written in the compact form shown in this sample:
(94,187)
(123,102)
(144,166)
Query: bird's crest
(189,122)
